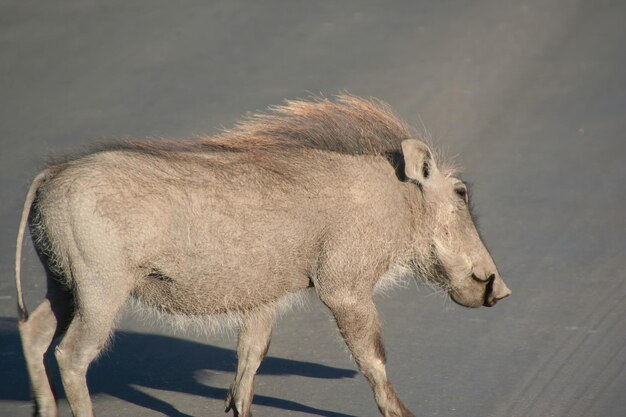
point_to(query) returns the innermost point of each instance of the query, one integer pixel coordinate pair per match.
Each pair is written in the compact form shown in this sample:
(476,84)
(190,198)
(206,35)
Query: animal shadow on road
(162,363)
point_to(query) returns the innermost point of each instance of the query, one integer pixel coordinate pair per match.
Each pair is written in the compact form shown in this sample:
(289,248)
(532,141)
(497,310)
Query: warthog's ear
(418,163)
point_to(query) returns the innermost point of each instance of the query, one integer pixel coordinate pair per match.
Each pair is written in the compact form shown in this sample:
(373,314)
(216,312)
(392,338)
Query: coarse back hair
(345,124)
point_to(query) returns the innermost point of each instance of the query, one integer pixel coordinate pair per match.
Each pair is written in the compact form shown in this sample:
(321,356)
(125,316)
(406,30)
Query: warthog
(333,195)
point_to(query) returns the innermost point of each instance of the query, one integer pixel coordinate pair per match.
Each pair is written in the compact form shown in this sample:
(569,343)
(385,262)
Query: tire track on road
(537,384)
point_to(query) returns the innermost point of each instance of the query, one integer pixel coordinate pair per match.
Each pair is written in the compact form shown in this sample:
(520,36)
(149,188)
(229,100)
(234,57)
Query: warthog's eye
(461,191)
(426,169)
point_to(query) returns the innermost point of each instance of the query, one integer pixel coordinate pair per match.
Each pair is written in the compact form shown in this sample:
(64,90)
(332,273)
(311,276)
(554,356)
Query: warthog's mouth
(467,299)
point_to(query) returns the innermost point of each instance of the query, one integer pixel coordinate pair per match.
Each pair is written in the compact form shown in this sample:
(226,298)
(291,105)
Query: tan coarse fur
(337,195)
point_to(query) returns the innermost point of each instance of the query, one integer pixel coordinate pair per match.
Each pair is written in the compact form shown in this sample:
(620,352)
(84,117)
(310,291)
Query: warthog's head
(458,260)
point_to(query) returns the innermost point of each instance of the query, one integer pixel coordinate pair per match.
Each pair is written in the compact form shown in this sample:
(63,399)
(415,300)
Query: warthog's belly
(207,294)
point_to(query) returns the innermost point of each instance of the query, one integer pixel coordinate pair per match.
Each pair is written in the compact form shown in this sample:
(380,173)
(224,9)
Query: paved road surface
(530,95)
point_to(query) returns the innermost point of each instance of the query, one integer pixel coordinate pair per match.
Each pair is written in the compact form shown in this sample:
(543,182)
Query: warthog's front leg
(254,341)
(358,323)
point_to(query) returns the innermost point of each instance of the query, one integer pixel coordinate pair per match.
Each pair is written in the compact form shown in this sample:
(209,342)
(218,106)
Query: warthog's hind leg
(48,320)
(358,323)
(254,341)
(98,304)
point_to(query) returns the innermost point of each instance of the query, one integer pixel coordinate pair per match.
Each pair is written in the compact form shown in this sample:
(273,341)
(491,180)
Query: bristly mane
(347,124)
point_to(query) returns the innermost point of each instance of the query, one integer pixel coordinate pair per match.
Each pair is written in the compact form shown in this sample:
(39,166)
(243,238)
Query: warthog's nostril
(489,290)
(492,298)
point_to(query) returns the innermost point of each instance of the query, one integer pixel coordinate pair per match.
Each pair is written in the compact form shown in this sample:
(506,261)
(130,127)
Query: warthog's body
(320,194)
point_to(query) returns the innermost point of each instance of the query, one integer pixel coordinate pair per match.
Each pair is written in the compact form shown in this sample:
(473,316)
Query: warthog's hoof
(230,405)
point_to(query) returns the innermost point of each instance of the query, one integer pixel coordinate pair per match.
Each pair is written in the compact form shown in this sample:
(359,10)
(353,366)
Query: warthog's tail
(22,313)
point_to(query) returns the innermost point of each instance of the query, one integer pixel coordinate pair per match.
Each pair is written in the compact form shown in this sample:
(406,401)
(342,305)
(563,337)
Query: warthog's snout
(495,291)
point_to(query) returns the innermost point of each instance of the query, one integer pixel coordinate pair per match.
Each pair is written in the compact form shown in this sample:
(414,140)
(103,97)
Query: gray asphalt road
(530,95)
